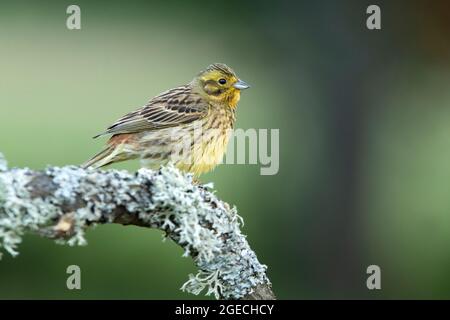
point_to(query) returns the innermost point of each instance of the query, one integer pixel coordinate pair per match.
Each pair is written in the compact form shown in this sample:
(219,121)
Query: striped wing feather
(171,108)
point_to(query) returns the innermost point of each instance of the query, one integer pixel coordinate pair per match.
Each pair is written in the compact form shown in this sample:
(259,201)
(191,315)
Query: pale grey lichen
(3,163)
(204,280)
(210,232)
(207,229)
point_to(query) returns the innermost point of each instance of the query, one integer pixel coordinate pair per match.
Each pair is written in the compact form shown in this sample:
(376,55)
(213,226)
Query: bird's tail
(101,159)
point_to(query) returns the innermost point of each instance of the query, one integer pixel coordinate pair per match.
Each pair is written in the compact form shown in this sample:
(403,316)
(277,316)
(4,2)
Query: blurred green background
(364,119)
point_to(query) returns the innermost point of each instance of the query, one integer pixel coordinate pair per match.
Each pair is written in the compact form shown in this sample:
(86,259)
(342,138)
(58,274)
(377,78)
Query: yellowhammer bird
(189,125)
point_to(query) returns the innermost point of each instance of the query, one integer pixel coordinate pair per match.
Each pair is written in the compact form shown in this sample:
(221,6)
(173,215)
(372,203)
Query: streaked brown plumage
(157,131)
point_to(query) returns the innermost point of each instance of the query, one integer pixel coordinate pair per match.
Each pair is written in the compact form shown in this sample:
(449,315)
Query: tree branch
(60,203)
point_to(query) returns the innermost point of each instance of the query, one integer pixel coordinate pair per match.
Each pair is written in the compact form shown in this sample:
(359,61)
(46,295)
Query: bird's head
(218,83)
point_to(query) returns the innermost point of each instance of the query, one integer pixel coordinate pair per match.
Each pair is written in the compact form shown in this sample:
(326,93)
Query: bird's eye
(222,81)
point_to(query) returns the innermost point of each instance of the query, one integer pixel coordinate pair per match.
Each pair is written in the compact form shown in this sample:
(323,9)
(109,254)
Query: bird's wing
(171,108)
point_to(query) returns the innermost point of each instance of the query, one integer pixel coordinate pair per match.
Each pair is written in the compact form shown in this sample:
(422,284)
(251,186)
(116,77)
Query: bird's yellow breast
(209,148)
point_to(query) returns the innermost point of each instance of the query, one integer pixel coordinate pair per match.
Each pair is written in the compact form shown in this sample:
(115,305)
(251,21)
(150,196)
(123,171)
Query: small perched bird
(189,125)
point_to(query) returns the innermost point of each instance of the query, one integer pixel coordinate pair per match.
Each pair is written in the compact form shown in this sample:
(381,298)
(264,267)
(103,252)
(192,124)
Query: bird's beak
(241,85)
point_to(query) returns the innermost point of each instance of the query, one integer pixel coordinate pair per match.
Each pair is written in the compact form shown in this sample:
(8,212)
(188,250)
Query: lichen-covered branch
(60,203)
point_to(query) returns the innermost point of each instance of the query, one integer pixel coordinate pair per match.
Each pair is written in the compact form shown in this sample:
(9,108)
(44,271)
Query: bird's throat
(233,98)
